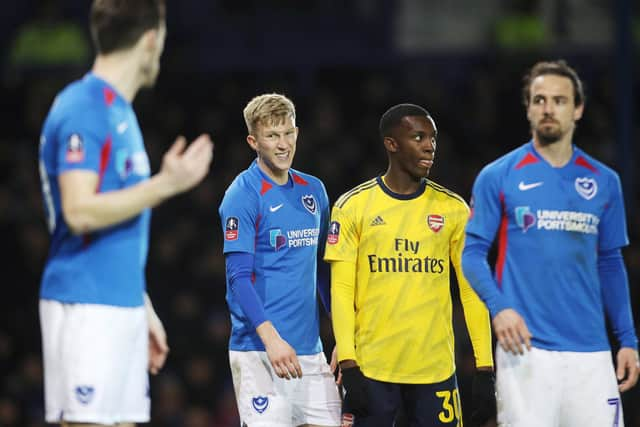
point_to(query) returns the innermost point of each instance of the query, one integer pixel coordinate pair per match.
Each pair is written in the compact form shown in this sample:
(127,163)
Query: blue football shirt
(284,227)
(550,223)
(91,127)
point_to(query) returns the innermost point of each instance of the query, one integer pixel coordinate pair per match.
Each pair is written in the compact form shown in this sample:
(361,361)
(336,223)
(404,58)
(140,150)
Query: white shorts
(95,363)
(557,389)
(264,400)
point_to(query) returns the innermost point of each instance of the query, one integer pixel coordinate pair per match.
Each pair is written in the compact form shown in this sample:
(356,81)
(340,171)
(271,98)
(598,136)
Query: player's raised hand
(628,368)
(184,167)
(511,331)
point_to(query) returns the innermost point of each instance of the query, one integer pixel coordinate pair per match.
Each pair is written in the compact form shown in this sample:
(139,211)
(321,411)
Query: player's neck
(557,154)
(401,183)
(279,177)
(120,70)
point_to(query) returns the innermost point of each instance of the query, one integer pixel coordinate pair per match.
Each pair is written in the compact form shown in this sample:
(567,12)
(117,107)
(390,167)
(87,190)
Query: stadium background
(343,64)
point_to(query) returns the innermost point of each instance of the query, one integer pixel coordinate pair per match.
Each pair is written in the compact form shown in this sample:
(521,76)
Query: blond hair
(268,110)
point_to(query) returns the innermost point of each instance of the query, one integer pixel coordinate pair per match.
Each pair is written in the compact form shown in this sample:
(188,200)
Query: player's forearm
(615,294)
(85,213)
(268,333)
(477,271)
(342,308)
(478,323)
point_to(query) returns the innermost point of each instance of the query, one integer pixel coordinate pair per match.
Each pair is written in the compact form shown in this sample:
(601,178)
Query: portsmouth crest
(309,203)
(586,187)
(435,222)
(260,403)
(84,394)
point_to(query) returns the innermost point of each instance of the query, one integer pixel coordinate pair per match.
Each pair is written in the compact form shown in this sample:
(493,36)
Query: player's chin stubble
(548,137)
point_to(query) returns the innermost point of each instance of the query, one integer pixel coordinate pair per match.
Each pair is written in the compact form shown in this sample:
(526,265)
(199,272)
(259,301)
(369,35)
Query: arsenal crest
(435,222)
(309,203)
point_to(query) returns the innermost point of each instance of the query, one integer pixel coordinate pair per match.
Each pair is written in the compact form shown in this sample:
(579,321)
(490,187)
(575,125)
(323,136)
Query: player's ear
(251,140)
(149,39)
(577,112)
(390,144)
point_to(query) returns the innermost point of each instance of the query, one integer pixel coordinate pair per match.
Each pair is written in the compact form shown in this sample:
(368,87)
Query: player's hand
(185,168)
(355,385)
(628,368)
(158,348)
(283,358)
(483,398)
(511,331)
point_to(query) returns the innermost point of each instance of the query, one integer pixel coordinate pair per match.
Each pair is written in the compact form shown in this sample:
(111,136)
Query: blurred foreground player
(99,330)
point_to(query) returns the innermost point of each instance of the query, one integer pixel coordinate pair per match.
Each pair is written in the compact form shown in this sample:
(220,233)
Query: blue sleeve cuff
(239,269)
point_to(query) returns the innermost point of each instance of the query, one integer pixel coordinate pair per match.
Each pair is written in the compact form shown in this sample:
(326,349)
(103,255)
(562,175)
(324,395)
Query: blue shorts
(424,404)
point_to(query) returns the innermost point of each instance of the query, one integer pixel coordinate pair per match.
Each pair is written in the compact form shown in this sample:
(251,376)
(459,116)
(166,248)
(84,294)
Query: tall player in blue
(560,221)
(100,333)
(274,222)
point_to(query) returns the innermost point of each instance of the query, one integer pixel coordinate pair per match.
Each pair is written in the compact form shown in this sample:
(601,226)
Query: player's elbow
(77,220)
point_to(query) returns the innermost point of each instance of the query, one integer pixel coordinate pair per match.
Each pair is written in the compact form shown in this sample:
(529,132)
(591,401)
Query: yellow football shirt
(390,293)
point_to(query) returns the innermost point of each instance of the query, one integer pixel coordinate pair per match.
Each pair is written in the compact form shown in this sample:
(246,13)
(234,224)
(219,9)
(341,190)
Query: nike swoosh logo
(524,187)
(122,127)
(275,208)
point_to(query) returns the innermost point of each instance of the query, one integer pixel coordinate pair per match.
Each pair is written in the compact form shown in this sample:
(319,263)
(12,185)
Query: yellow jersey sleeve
(343,236)
(343,317)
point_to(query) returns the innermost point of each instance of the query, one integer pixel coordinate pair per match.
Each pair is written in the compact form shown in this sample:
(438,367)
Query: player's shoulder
(513,159)
(446,195)
(81,94)
(356,194)
(302,178)
(501,167)
(78,99)
(594,165)
(245,182)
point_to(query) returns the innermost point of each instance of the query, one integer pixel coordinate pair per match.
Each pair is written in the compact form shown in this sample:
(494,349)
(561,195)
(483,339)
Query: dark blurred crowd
(474,98)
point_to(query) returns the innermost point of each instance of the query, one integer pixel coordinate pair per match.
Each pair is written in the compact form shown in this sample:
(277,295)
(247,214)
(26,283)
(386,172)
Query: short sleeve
(82,136)
(239,214)
(612,230)
(342,237)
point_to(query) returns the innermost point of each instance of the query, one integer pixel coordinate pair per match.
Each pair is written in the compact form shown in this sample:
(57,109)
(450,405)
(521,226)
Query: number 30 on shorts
(451,408)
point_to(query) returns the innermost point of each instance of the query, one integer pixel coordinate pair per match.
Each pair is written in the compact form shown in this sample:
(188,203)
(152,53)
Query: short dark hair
(119,24)
(558,68)
(392,117)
